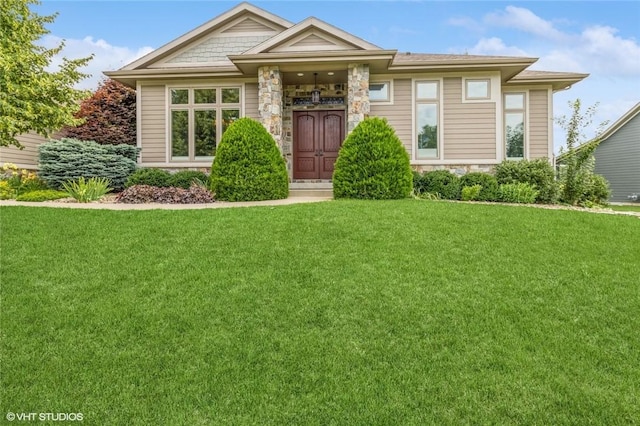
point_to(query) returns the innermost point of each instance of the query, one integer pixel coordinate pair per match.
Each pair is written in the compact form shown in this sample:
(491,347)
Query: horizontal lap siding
(539,124)
(399,114)
(469,128)
(618,160)
(251,101)
(28,156)
(153,126)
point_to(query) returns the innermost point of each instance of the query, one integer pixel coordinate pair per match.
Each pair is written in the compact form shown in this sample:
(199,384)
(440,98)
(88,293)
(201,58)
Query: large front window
(199,117)
(427,118)
(514,124)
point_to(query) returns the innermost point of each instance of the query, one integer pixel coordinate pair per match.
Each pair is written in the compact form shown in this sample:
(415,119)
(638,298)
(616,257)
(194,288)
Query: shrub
(470,193)
(70,159)
(6,190)
(597,190)
(152,177)
(517,193)
(85,191)
(184,178)
(139,194)
(19,181)
(248,165)
(442,182)
(537,173)
(372,164)
(489,184)
(42,195)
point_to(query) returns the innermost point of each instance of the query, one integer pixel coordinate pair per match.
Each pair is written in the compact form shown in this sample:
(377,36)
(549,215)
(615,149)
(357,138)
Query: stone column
(270,101)
(358,106)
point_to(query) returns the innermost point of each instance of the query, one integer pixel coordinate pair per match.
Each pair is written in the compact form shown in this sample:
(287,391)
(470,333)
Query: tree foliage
(576,173)
(31,97)
(109,116)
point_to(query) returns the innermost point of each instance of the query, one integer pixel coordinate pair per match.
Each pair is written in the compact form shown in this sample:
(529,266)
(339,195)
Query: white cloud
(524,20)
(495,47)
(106,56)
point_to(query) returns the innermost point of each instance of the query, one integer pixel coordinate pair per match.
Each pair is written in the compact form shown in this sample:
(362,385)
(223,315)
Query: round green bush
(489,184)
(184,178)
(442,182)
(597,191)
(537,173)
(372,164)
(152,177)
(248,165)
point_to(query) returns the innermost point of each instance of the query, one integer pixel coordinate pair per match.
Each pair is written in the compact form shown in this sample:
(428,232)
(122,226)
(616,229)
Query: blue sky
(601,38)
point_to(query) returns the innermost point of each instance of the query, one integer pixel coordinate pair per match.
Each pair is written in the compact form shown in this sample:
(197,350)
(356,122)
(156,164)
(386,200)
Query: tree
(576,174)
(32,98)
(109,116)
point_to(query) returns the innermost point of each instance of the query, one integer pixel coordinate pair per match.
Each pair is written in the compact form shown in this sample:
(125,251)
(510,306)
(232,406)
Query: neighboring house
(26,158)
(618,157)
(311,83)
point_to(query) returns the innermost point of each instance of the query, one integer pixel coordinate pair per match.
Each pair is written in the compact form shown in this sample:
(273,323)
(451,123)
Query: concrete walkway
(158,206)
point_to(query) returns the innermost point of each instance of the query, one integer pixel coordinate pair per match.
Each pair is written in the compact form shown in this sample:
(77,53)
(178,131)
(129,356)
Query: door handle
(320,153)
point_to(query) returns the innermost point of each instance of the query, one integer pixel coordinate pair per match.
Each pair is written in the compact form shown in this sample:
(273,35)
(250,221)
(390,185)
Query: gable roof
(628,116)
(249,11)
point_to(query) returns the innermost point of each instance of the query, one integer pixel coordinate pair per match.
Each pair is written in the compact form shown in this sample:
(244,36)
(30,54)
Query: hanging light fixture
(315,93)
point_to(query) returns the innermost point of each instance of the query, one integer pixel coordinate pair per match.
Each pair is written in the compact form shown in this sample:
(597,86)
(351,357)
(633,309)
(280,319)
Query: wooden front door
(317,137)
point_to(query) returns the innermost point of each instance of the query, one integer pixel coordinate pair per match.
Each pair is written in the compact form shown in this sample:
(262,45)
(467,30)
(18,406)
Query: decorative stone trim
(270,101)
(358,105)
(458,169)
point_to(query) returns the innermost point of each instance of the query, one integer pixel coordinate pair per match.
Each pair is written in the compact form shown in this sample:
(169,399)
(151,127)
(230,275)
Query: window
(198,118)
(477,89)
(514,124)
(380,91)
(427,119)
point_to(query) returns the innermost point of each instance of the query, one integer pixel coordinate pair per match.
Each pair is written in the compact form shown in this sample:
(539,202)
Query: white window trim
(389,100)
(414,141)
(196,161)
(526,108)
(467,99)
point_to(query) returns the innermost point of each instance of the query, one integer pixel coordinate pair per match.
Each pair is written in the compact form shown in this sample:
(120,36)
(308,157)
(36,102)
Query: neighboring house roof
(246,37)
(609,131)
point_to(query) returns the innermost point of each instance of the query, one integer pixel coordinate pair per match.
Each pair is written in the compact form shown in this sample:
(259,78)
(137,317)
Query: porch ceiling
(339,76)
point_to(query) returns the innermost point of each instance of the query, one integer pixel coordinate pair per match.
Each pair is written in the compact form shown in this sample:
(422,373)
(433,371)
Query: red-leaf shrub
(140,194)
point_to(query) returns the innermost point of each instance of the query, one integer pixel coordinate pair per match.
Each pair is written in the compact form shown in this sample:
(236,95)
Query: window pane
(427,131)
(379,92)
(477,89)
(514,123)
(228,117)
(180,134)
(514,101)
(428,90)
(205,96)
(179,96)
(205,133)
(231,96)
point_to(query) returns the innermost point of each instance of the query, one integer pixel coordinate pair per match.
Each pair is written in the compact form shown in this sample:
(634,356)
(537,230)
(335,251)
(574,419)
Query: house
(310,84)
(618,157)
(27,157)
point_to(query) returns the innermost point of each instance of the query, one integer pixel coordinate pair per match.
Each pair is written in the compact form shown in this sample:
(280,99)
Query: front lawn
(344,312)
(625,208)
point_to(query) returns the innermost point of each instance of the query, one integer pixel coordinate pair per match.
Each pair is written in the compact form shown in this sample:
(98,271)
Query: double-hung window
(198,118)
(514,125)
(427,95)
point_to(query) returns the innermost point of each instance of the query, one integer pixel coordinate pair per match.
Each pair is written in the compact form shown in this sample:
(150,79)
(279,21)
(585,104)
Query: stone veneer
(458,169)
(358,106)
(270,101)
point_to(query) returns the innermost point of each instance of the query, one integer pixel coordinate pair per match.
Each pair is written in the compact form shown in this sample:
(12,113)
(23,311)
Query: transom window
(514,113)
(477,89)
(380,91)
(427,119)
(198,118)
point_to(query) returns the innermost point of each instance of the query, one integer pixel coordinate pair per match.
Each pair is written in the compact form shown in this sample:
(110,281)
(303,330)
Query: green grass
(625,208)
(399,312)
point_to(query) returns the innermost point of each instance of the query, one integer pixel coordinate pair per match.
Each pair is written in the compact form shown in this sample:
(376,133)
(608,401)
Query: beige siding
(27,157)
(399,114)
(469,129)
(153,127)
(251,101)
(248,26)
(539,124)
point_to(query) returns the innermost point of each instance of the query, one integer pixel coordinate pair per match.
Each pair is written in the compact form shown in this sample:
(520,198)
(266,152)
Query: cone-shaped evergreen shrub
(248,165)
(372,164)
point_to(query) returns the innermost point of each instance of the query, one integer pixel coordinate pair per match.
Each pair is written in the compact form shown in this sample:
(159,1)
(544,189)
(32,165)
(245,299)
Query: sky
(601,38)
